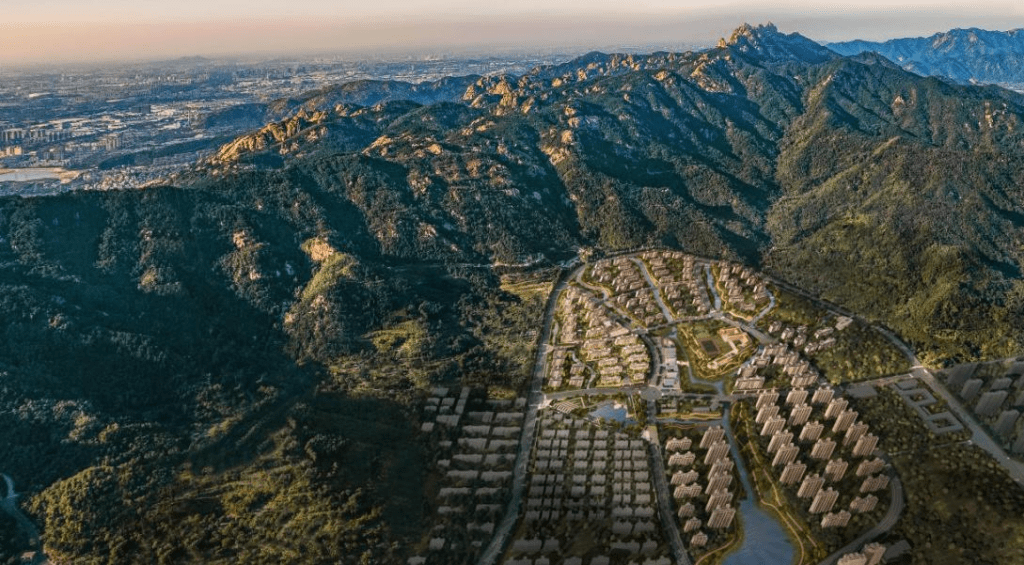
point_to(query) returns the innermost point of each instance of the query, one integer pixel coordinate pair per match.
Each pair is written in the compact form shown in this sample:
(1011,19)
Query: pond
(612,411)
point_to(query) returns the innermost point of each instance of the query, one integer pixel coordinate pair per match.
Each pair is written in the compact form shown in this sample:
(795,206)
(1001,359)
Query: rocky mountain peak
(766,42)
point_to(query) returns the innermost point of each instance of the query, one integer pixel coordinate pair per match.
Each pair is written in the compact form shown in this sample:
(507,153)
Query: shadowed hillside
(226,369)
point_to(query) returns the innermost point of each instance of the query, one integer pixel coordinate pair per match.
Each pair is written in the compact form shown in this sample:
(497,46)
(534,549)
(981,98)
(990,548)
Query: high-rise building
(865,445)
(990,402)
(854,432)
(1018,444)
(875,483)
(835,469)
(836,519)
(749,383)
(678,444)
(716,451)
(956,376)
(780,438)
(699,539)
(812,431)
(721,517)
(844,420)
(767,397)
(870,467)
(792,473)
(712,435)
(823,501)
(822,396)
(874,552)
(773,425)
(718,482)
(717,499)
(785,455)
(723,465)
(970,389)
(796,396)
(799,415)
(681,459)
(681,478)
(835,407)
(810,486)
(766,412)
(861,505)
(823,449)
(1007,422)
(683,492)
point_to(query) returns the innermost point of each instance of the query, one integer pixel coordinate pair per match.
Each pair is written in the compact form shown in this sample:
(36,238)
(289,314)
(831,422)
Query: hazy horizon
(59,32)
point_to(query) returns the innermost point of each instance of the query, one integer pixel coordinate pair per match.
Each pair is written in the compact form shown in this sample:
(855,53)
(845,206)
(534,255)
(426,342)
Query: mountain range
(185,365)
(964,55)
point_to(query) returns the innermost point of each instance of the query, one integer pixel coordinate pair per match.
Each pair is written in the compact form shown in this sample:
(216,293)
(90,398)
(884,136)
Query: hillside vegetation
(227,368)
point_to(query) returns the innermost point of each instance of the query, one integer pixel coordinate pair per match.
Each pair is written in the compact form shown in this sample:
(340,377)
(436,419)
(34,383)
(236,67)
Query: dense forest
(226,368)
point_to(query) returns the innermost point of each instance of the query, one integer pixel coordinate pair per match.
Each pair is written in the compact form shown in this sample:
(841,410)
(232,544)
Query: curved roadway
(10,505)
(978,435)
(887,523)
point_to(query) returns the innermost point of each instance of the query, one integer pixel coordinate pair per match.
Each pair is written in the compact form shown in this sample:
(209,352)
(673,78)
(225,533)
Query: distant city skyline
(73,31)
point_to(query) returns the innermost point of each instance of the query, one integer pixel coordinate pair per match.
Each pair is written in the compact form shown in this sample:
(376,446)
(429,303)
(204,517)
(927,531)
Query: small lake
(611,411)
(28,175)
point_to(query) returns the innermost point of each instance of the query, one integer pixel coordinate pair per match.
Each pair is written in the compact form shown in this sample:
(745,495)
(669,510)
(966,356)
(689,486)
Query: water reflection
(611,410)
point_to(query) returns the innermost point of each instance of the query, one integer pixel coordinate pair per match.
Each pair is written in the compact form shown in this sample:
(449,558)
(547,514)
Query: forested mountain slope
(225,369)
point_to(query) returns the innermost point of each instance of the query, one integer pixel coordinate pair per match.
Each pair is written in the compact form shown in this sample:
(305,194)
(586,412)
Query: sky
(69,31)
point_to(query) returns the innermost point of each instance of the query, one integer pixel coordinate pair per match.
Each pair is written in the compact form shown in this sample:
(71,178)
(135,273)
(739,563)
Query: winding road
(978,435)
(887,523)
(9,504)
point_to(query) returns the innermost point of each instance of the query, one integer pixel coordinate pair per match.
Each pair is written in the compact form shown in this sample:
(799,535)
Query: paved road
(504,530)
(9,504)
(881,381)
(654,290)
(978,435)
(590,287)
(722,316)
(768,308)
(661,488)
(887,523)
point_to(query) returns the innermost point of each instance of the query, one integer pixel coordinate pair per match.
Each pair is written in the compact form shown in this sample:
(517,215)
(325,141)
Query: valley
(759,301)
